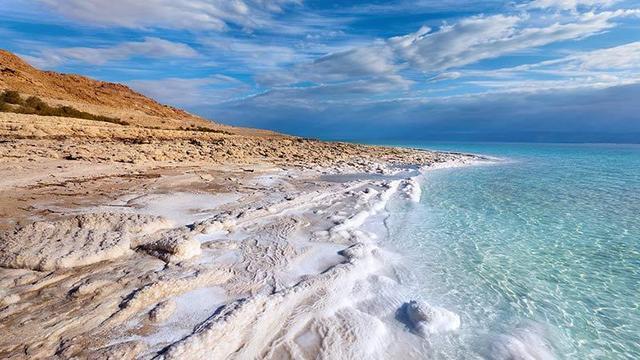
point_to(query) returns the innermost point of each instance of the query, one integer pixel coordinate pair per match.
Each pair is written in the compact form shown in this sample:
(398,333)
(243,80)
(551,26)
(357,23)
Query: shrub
(35,105)
(12,97)
(24,110)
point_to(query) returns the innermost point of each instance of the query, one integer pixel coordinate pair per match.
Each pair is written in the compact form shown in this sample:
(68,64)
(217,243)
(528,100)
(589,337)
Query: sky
(527,70)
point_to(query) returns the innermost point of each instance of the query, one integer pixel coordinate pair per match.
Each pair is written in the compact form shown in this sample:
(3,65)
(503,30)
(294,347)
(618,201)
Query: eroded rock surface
(75,241)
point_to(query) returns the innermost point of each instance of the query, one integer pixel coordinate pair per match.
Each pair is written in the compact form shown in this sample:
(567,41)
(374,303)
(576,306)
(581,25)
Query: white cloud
(367,69)
(596,69)
(357,62)
(185,14)
(450,75)
(484,37)
(437,51)
(594,81)
(618,59)
(191,91)
(324,95)
(569,4)
(252,54)
(372,85)
(151,47)
(623,57)
(465,42)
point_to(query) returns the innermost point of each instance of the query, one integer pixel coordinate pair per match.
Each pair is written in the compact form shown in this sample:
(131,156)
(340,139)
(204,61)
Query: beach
(224,247)
(132,229)
(289,179)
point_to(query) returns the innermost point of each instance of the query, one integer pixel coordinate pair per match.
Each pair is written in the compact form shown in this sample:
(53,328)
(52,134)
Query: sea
(538,252)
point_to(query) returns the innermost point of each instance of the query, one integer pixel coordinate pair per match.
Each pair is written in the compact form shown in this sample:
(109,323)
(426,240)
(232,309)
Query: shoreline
(176,262)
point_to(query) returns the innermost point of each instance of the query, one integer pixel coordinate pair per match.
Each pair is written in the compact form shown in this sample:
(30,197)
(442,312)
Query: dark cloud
(611,115)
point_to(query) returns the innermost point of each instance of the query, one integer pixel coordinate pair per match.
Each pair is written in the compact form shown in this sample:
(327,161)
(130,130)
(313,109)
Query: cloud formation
(150,47)
(623,57)
(601,68)
(485,37)
(286,63)
(565,115)
(171,14)
(569,4)
(191,91)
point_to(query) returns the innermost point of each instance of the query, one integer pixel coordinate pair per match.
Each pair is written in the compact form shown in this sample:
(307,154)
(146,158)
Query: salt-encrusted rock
(356,251)
(90,287)
(75,241)
(223,225)
(174,249)
(412,190)
(162,311)
(9,299)
(425,319)
(123,351)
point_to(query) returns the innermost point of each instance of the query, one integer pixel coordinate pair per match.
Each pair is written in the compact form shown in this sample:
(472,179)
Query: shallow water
(539,254)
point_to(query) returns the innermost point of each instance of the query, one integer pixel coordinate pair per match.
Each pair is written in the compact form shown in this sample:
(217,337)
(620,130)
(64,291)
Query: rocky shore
(186,248)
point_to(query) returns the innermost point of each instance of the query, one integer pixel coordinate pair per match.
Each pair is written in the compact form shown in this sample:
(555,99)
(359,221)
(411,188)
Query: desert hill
(51,117)
(17,75)
(99,97)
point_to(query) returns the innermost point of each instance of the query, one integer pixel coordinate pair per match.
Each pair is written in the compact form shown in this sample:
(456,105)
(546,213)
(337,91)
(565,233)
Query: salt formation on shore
(290,269)
(77,241)
(425,319)
(412,189)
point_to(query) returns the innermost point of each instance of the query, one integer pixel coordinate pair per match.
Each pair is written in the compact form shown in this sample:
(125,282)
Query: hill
(99,97)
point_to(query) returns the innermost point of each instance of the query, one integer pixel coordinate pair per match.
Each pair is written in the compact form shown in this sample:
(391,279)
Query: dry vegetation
(12,101)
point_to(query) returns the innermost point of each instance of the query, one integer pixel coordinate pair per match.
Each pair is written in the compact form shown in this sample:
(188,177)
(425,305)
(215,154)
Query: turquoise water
(539,254)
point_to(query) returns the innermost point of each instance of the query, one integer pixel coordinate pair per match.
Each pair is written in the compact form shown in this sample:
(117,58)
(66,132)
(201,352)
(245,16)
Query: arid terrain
(169,235)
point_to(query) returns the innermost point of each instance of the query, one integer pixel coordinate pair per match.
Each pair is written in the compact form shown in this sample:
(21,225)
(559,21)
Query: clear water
(539,255)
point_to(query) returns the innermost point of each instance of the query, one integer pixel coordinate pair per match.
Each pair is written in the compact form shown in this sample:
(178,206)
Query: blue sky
(554,70)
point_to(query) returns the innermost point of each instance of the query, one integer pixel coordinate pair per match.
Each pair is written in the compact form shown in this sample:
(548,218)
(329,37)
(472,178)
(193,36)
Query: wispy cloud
(601,68)
(485,37)
(150,47)
(191,91)
(171,14)
(623,57)
(437,51)
(569,4)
